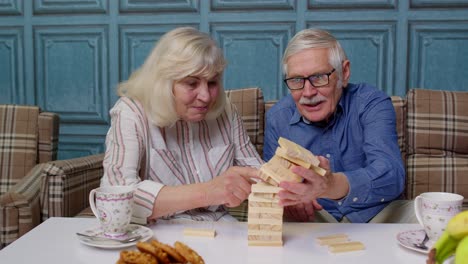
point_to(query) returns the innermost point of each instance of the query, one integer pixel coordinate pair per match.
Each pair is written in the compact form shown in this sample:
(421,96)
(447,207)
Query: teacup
(112,205)
(434,210)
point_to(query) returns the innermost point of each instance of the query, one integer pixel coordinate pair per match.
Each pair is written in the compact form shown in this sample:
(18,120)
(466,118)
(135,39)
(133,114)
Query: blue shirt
(360,141)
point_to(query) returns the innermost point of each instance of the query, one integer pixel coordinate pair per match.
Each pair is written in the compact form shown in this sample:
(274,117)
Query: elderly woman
(175,136)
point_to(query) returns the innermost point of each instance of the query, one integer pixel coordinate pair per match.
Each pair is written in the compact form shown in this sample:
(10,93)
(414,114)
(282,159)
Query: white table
(54,241)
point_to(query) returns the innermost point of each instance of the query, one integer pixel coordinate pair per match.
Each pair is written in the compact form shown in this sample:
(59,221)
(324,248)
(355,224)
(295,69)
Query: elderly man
(351,127)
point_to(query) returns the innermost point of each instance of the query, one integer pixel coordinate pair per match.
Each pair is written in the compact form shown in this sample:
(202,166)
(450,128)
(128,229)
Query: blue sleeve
(382,179)
(271,136)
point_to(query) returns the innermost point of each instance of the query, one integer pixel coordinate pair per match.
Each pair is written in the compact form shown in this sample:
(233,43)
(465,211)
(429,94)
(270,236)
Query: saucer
(133,230)
(408,238)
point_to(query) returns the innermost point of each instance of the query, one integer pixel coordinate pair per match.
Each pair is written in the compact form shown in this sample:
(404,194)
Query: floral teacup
(112,205)
(434,210)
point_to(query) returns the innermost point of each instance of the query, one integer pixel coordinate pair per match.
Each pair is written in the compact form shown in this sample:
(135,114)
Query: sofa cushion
(437,131)
(251,108)
(18,143)
(400,111)
(437,122)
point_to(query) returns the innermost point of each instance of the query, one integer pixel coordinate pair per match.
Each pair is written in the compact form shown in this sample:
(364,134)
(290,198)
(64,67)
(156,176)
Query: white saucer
(133,230)
(408,238)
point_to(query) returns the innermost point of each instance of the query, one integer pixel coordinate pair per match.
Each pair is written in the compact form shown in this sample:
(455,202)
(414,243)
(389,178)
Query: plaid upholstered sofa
(433,137)
(28,139)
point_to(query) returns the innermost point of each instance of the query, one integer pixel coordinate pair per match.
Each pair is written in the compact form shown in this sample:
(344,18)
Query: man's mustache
(312,101)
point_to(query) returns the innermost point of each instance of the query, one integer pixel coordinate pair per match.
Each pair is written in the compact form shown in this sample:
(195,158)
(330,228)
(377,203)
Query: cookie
(188,253)
(157,252)
(173,254)
(136,257)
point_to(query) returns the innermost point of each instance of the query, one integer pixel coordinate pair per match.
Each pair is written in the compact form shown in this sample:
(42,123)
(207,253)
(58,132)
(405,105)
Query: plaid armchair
(27,138)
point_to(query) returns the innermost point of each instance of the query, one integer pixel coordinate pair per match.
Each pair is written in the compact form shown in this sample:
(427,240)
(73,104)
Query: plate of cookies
(133,230)
(153,252)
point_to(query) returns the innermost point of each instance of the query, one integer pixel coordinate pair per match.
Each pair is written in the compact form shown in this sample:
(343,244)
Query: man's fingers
(324,162)
(316,205)
(304,173)
(296,188)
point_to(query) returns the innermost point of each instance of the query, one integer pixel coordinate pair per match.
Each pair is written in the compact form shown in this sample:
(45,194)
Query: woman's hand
(232,187)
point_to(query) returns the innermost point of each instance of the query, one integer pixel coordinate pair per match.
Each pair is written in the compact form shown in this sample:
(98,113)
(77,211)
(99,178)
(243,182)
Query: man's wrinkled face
(316,104)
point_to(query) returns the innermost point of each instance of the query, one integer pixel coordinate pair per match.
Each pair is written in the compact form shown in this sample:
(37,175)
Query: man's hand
(231,187)
(304,212)
(313,186)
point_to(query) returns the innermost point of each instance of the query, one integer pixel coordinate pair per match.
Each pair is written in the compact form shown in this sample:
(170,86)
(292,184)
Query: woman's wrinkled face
(194,97)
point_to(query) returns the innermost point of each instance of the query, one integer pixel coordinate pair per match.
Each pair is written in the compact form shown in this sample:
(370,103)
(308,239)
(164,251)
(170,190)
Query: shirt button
(328,155)
(339,203)
(355,199)
(383,199)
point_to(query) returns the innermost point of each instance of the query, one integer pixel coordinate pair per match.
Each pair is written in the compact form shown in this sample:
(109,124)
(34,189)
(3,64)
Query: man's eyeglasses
(317,80)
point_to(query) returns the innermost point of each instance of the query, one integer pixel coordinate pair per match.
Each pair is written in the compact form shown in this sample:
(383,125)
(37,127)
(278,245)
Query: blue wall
(68,55)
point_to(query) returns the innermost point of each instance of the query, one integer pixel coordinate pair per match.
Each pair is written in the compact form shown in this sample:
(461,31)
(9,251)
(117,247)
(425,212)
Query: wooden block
(278,243)
(334,236)
(265,216)
(262,187)
(346,247)
(319,170)
(278,227)
(285,154)
(264,195)
(253,198)
(281,161)
(276,237)
(261,221)
(279,173)
(331,241)
(264,232)
(268,210)
(259,204)
(202,232)
(298,152)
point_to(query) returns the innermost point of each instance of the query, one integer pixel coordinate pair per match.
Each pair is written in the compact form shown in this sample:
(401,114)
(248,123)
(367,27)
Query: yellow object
(457,227)
(454,240)
(461,255)
(346,247)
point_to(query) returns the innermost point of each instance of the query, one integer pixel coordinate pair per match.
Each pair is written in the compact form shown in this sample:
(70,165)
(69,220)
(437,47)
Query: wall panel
(72,72)
(70,6)
(439,53)
(159,6)
(11,66)
(352,4)
(254,50)
(11,7)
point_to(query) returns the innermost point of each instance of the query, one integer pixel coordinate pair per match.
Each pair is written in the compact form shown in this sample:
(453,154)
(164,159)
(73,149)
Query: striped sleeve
(245,152)
(125,154)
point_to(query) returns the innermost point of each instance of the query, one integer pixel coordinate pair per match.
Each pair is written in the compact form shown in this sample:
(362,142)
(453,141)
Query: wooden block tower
(265,218)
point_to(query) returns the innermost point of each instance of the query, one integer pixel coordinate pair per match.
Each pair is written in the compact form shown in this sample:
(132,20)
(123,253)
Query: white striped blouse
(141,154)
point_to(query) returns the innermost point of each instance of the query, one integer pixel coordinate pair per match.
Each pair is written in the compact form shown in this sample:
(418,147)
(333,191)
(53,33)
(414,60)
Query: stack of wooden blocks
(265,218)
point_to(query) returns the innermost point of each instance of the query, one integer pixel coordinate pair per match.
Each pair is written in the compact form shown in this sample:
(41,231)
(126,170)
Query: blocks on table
(265,218)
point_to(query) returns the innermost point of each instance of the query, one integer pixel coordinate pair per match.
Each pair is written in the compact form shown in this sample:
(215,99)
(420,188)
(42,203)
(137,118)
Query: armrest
(20,207)
(65,185)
